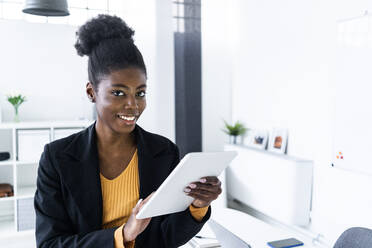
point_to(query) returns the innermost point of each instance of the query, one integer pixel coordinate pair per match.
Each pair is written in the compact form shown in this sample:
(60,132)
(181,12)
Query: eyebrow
(124,86)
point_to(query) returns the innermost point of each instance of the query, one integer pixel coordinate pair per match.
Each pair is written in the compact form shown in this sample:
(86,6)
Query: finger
(210,180)
(203,193)
(147,220)
(141,204)
(200,197)
(136,208)
(206,194)
(148,198)
(207,187)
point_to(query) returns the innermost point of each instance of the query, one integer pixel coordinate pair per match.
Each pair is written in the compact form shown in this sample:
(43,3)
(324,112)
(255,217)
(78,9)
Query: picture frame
(278,140)
(257,138)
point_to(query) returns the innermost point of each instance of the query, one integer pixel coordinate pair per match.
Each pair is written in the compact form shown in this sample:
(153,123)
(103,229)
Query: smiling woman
(120,98)
(91,184)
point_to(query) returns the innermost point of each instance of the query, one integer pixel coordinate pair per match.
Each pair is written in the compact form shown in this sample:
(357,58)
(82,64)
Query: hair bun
(101,28)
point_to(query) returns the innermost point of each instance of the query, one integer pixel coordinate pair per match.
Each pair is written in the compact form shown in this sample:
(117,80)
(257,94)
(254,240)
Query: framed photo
(278,140)
(257,138)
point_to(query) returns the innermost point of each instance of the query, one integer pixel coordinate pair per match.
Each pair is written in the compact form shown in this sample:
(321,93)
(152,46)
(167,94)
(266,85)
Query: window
(355,31)
(187,45)
(186,14)
(80,11)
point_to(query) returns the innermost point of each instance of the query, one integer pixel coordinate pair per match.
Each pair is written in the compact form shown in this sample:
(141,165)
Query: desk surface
(252,230)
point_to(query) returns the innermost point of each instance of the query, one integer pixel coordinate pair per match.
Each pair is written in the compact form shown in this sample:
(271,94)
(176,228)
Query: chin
(124,128)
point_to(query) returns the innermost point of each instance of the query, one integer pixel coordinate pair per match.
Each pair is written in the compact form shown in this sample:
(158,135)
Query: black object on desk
(285,243)
(4,156)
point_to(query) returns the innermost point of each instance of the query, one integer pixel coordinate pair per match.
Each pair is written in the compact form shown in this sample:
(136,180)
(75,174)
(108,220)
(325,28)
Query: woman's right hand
(134,226)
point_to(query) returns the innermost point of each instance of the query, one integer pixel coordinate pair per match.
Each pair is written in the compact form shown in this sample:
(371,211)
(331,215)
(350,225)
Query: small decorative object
(4,156)
(278,140)
(234,130)
(6,190)
(257,138)
(16,100)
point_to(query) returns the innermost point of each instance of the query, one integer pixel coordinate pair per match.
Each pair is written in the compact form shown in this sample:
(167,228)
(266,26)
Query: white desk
(252,230)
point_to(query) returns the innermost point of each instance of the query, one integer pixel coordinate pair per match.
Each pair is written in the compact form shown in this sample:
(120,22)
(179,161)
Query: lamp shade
(46,7)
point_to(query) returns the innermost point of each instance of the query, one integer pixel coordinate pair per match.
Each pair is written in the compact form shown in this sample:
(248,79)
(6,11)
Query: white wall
(216,73)
(165,68)
(283,78)
(40,61)
(283,73)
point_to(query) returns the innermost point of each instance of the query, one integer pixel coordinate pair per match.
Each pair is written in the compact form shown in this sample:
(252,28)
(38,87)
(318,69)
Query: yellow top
(120,195)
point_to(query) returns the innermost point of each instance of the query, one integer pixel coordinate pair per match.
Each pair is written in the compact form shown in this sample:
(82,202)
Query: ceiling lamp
(46,7)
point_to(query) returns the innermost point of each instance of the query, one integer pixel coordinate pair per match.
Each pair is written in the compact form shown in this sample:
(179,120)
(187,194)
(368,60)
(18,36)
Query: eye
(118,93)
(141,94)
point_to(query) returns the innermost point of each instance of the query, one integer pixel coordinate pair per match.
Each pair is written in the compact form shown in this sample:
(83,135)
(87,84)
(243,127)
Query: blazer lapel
(153,167)
(81,175)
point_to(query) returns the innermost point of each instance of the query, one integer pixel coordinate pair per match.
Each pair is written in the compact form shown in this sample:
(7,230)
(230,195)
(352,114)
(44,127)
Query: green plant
(16,100)
(236,129)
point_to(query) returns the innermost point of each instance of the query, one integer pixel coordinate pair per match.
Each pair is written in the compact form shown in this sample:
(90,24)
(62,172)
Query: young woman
(89,184)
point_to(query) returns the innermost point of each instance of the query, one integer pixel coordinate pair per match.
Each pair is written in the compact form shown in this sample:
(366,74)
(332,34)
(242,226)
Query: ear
(90,92)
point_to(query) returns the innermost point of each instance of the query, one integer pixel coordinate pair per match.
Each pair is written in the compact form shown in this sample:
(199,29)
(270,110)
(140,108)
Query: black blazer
(68,200)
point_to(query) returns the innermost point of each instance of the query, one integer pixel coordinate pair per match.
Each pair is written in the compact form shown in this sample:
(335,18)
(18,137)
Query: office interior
(301,67)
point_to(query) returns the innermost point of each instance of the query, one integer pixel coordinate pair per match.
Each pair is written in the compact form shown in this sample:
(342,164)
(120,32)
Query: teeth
(127,118)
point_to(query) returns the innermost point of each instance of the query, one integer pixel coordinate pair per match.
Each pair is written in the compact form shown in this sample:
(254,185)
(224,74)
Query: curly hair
(107,41)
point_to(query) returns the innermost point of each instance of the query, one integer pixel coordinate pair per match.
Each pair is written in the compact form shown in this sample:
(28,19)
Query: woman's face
(120,99)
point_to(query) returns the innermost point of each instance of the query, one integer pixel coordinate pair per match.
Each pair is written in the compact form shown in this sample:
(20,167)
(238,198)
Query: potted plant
(16,100)
(235,130)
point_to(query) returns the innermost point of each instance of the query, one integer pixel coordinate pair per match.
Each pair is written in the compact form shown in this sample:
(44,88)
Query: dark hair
(107,41)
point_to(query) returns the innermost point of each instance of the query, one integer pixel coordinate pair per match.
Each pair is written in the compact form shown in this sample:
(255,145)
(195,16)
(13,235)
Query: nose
(130,102)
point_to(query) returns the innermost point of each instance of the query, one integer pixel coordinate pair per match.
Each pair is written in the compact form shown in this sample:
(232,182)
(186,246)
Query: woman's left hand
(204,192)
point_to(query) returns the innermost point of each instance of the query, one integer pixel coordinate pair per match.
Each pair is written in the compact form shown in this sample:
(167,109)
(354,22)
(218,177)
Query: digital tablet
(285,243)
(170,196)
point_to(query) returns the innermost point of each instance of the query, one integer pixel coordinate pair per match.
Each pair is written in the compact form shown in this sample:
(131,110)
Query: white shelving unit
(25,142)
(277,185)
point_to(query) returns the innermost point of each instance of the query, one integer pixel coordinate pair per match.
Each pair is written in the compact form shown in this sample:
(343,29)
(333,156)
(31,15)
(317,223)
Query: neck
(108,139)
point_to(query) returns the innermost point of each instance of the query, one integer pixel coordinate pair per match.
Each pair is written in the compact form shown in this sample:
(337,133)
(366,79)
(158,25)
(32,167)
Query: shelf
(26,162)
(266,152)
(37,125)
(25,141)
(26,192)
(7,162)
(11,162)
(3,199)
(6,226)
(277,185)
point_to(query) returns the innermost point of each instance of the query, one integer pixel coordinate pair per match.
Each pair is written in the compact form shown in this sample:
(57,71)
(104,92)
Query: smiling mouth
(127,117)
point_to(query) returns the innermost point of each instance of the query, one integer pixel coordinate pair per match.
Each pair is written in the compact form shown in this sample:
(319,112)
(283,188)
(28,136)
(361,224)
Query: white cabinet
(25,142)
(30,143)
(279,186)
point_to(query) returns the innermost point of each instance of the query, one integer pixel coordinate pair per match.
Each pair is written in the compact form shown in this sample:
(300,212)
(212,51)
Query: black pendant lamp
(46,7)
